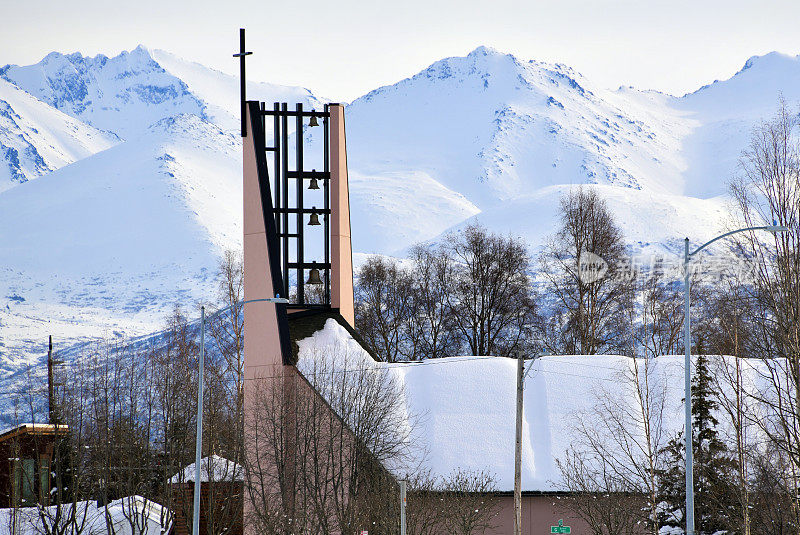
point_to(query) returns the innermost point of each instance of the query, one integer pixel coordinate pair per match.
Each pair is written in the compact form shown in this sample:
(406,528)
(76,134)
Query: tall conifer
(714,467)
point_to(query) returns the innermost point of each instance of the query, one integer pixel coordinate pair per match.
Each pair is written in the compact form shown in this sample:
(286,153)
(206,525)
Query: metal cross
(241,55)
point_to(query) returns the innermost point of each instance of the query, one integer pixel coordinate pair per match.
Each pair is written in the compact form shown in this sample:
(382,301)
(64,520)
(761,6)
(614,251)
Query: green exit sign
(560,528)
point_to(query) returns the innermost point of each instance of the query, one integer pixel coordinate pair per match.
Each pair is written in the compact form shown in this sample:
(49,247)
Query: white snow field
(463,408)
(109,241)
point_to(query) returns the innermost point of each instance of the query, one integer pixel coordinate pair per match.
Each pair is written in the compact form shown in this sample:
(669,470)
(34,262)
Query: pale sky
(343,49)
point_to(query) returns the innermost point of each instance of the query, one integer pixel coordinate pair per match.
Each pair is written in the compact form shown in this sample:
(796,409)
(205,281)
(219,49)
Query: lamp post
(687,372)
(199,443)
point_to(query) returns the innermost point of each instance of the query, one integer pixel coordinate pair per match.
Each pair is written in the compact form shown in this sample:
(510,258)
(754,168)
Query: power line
(391,366)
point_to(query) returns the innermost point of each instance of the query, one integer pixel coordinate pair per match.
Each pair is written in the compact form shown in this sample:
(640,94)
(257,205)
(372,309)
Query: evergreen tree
(714,467)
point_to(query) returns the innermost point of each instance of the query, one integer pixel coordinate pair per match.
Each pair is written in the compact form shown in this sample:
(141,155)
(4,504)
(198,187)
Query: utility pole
(51,397)
(518,448)
(402,508)
(199,438)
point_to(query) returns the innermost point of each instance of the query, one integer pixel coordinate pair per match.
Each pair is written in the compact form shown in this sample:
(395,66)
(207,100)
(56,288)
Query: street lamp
(199,443)
(687,372)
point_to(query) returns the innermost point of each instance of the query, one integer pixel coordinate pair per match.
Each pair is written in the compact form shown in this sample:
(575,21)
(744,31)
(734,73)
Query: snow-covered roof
(464,407)
(214,468)
(24,427)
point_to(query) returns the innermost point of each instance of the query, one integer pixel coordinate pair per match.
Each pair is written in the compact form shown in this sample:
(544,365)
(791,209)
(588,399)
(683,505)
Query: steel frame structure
(288,177)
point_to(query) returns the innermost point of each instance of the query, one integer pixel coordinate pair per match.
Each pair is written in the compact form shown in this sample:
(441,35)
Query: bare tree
(469,294)
(324,440)
(270,495)
(768,189)
(175,391)
(622,437)
(729,332)
(661,323)
(56,510)
(773,511)
(426,506)
(433,274)
(227,330)
(472,505)
(490,302)
(462,502)
(384,307)
(583,266)
(130,409)
(606,502)
(224,414)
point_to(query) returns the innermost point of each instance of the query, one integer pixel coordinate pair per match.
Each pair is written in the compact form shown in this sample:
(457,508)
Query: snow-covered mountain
(111,242)
(128,93)
(219,92)
(511,136)
(124,94)
(155,214)
(36,138)
(140,186)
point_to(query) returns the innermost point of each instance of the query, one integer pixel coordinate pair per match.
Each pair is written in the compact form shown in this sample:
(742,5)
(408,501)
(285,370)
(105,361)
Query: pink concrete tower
(279,232)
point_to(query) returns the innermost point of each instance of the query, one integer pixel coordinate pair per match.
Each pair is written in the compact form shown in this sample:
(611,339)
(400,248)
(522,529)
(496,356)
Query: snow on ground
(212,468)
(149,518)
(652,223)
(466,405)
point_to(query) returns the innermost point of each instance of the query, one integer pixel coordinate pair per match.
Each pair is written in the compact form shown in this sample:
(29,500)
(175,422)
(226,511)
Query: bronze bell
(314,219)
(313,121)
(313,277)
(313,184)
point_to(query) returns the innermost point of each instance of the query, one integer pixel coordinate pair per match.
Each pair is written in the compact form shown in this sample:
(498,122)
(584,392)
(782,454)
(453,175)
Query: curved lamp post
(687,372)
(199,443)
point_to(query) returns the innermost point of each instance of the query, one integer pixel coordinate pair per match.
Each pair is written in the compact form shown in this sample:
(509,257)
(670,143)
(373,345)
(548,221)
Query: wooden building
(26,454)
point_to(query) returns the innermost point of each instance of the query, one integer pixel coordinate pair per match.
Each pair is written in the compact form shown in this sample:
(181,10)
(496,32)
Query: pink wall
(262,348)
(341,248)
(538,514)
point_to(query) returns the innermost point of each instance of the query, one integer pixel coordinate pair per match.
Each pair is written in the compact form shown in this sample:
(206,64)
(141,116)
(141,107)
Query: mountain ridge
(36,139)
(113,239)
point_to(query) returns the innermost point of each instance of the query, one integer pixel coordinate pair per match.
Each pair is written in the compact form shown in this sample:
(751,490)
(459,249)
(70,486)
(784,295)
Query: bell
(313,277)
(313,184)
(314,219)
(313,121)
